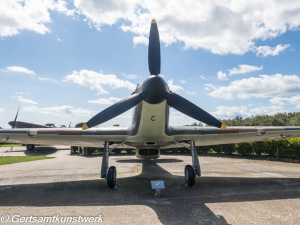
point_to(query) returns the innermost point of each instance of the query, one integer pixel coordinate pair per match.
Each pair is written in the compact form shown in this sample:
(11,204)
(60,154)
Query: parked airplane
(150,130)
(19,124)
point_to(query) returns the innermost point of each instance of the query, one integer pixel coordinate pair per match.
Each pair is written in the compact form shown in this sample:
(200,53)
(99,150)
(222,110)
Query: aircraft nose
(154,89)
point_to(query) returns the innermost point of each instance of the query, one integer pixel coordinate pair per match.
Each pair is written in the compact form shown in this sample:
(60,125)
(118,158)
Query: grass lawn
(10,145)
(16,159)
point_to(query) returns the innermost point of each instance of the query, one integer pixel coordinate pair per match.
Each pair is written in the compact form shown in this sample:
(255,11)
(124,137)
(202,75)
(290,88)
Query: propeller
(190,109)
(14,124)
(154,50)
(154,90)
(114,110)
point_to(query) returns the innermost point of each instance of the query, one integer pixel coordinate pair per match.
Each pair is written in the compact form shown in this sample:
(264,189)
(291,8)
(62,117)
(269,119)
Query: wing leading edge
(69,136)
(213,136)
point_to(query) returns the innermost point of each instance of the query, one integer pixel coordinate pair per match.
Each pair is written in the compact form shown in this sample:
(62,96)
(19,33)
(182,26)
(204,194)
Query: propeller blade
(190,109)
(114,110)
(14,124)
(154,50)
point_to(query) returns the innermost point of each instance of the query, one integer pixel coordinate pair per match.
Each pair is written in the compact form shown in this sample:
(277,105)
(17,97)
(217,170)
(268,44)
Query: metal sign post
(158,185)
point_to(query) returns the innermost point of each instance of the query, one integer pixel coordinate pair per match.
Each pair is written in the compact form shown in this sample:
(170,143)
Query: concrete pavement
(230,191)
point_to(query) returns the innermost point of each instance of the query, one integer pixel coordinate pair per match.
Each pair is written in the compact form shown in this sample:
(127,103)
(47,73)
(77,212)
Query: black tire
(30,147)
(189,175)
(112,177)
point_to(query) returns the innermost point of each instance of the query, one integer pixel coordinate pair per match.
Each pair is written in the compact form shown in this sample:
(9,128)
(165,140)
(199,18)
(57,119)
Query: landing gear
(111,177)
(189,175)
(108,173)
(30,147)
(190,172)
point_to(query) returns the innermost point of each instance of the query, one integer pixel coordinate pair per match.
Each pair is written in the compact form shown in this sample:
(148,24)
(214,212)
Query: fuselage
(150,119)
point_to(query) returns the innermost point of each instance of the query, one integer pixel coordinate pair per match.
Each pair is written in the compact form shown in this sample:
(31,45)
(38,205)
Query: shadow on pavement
(178,204)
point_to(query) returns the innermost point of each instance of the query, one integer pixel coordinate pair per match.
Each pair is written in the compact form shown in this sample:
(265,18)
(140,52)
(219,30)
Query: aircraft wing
(20,124)
(66,136)
(214,136)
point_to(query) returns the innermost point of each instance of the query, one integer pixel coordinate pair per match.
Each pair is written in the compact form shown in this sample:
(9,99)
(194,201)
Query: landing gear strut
(30,147)
(190,172)
(110,174)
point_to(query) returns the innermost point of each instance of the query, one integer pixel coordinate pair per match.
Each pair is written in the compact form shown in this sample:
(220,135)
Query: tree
(79,124)
(50,124)
(195,124)
(116,125)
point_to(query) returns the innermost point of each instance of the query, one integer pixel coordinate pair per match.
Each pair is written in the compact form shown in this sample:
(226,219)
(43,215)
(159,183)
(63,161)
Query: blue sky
(64,61)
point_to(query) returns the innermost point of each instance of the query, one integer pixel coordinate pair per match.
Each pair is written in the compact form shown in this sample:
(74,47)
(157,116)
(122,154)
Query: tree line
(287,148)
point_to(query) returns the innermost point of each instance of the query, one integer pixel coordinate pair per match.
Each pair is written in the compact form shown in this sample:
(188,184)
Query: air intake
(148,151)
(150,143)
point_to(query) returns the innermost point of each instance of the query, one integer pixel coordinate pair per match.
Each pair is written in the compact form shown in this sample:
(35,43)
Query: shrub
(245,148)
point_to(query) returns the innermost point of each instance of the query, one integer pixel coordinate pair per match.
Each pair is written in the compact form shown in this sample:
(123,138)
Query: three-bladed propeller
(154,90)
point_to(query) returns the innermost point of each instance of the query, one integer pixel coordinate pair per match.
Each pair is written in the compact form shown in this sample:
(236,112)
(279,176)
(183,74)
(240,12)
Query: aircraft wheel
(189,175)
(30,147)
(112,177)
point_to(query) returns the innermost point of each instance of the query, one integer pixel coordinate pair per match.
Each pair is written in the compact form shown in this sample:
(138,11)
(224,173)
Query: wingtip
(223,126)
(153,21)
(85,127)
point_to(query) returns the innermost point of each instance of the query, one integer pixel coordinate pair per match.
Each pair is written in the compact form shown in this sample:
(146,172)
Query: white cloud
(263,86)
(140,40)
(105,101)
(267,50)
(47,79)
(1,110)
(60,110)
(221,27)
(31,15)
(58,39)
(222,76)
(190,92)
(209,87)
(19,93)
(173,87)
(130,76)
(105,12)
(95,80)
(269,110)
(24,100)
(231,111)
(227,112)
(182,81)
(202,77)
(178,115)
(19,69)
(243,68)
(294,100)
